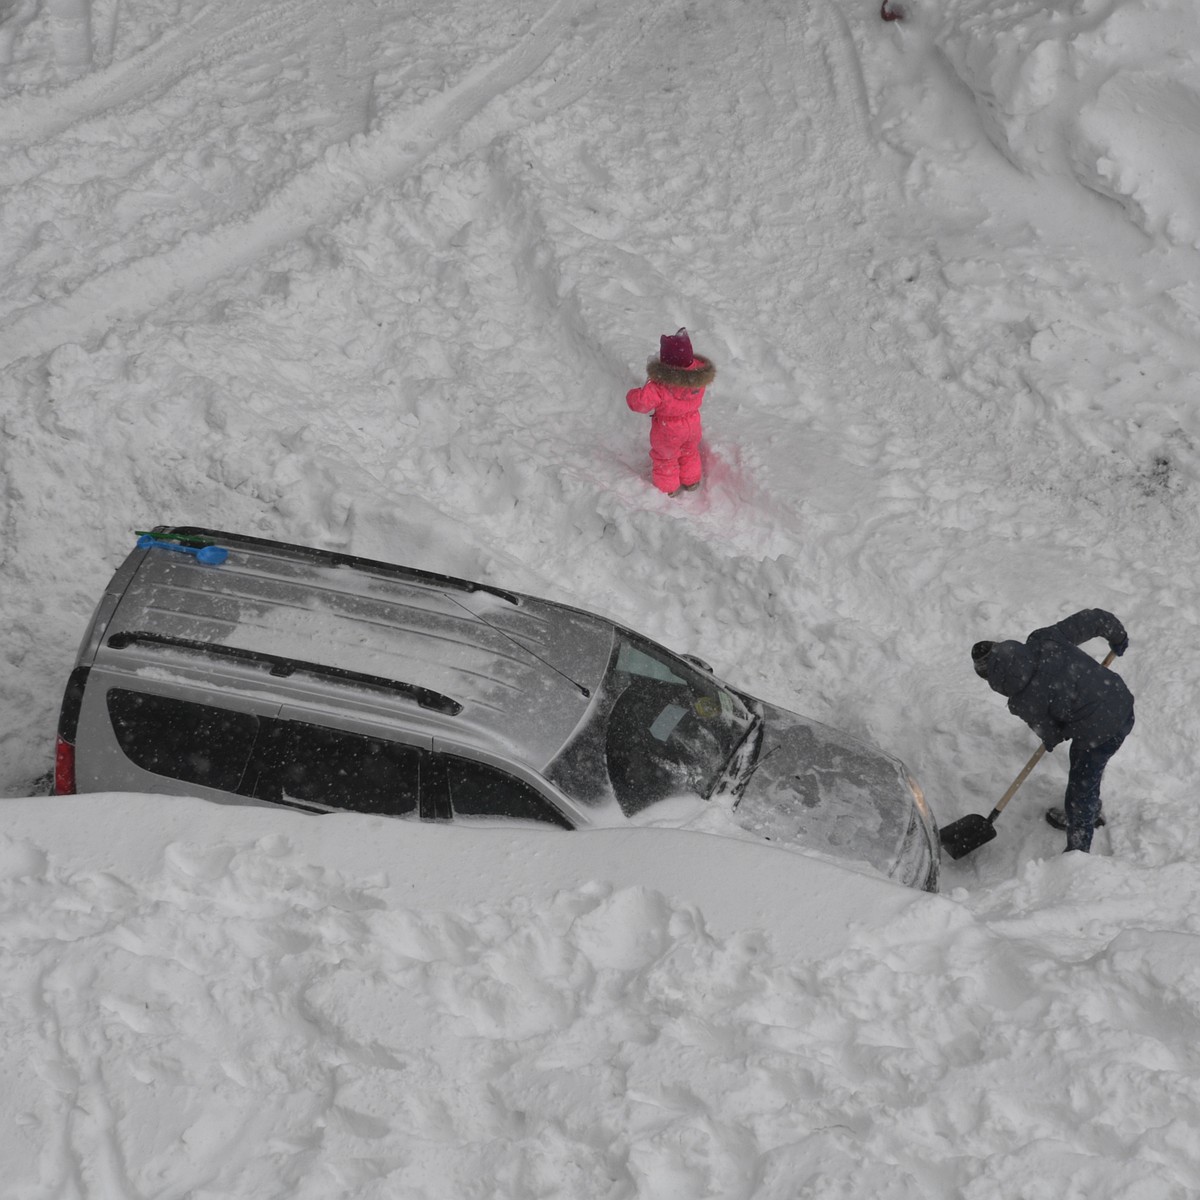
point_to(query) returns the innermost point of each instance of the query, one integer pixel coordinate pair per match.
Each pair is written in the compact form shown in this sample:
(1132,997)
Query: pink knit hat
(675,349)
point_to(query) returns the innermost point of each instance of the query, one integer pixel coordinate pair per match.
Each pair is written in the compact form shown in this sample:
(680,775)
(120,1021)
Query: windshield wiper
(739,788)
(742,759)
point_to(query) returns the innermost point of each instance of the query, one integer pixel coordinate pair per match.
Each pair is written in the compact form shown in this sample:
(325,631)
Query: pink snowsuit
(674,396)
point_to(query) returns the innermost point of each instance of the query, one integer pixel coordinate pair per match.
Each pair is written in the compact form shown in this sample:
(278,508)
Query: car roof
(464,660)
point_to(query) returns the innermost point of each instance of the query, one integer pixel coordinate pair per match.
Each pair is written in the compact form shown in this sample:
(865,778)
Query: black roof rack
(284,667)
(332,558)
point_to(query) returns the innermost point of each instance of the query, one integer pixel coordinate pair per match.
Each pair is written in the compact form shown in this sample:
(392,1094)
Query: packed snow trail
(317,195)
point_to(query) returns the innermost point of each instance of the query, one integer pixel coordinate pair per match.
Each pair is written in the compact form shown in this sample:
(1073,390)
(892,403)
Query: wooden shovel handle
(1033,762)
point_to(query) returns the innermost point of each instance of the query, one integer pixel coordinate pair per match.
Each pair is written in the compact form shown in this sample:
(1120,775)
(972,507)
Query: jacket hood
(1010,668)
(699,375)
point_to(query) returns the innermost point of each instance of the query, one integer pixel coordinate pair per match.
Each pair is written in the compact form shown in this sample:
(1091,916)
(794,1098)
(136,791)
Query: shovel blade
(966,834)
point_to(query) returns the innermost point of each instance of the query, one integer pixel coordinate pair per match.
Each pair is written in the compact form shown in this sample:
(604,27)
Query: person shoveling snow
(1063,694)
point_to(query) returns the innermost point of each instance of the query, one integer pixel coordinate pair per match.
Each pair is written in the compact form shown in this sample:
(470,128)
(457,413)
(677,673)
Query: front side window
(197,743)
(477,790)
(659,728)
(346,770)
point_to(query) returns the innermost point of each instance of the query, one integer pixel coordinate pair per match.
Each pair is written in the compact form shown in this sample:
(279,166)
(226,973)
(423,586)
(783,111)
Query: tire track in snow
(345,174)
(27,119)
(845,48)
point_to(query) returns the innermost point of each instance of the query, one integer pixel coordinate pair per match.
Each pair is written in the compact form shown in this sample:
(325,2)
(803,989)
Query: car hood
(824,790)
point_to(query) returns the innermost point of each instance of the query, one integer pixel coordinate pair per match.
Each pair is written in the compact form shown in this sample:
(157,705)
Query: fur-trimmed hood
(697,376)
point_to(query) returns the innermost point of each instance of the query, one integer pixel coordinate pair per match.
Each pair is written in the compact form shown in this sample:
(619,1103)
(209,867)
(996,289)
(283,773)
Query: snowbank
(1108,92)
(243,1002)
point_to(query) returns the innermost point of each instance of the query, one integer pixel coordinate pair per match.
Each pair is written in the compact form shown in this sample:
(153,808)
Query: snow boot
(1058,818)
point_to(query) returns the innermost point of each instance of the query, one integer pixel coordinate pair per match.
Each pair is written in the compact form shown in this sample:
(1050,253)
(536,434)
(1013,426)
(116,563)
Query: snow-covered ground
(377,277)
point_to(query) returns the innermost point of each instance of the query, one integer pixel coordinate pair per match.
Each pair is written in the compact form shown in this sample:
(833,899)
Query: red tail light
(68,728)
(64,768)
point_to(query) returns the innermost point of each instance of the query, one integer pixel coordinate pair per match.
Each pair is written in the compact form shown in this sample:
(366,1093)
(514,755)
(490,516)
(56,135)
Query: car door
(135,737)
(319,766)
(466,789)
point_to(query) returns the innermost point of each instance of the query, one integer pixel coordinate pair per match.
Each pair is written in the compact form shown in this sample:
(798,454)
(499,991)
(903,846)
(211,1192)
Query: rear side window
(197,743)
(347,770)
(477,790)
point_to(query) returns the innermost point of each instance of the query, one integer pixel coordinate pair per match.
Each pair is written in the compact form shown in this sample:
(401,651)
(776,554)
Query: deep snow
(378,277)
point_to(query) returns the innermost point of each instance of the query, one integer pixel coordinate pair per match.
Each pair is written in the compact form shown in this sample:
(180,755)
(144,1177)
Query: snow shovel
(208,553)
(968,833)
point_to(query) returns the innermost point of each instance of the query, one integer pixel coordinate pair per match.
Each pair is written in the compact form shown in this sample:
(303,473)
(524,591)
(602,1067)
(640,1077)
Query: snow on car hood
(826,791)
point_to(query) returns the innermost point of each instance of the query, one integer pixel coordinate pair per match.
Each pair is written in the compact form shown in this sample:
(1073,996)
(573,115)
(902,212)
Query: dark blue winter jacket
(1058,690)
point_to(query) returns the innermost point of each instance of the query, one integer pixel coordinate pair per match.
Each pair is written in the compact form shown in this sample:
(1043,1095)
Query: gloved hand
(1119,647)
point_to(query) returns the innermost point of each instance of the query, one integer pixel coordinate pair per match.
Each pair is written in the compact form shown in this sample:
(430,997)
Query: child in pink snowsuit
(673,393)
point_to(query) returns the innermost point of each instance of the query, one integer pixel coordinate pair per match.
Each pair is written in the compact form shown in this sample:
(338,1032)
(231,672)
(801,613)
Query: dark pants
(1082,801)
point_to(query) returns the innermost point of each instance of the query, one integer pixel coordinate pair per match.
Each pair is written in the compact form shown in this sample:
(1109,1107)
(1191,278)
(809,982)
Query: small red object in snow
(892,11)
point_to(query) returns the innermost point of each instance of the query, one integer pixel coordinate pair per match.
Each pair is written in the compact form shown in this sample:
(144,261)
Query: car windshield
(660,727)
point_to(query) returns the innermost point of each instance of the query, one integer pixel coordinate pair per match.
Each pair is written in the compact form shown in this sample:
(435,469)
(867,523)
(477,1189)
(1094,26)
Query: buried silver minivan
(250,671)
